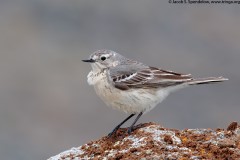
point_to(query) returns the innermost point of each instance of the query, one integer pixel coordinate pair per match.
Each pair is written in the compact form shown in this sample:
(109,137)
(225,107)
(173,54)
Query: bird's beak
(89,60)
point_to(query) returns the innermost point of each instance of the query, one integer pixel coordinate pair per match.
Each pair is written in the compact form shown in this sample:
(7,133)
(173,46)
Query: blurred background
(46,105)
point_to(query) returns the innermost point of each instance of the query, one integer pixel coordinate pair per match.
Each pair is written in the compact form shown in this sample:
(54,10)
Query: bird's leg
(130,129)
(118,126)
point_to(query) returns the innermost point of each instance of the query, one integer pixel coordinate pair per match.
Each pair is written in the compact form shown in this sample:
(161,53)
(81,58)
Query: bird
(133,87)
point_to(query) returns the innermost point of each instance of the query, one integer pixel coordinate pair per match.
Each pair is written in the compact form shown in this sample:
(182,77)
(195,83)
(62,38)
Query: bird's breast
(129,101)
(96,77)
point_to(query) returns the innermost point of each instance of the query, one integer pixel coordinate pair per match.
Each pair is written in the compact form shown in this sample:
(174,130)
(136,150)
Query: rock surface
(152,141)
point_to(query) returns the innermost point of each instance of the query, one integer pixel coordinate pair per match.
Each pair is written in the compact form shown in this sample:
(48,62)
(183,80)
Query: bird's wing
(145,77)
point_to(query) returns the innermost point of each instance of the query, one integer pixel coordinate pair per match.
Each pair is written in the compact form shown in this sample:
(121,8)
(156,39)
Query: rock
(226,143)
(152,141)
(232,127)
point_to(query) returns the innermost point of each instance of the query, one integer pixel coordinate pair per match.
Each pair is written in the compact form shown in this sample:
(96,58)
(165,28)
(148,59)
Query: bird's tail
(206,80)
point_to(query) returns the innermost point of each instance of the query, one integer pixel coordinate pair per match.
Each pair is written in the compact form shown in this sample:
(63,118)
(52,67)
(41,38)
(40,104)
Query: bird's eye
(103,58)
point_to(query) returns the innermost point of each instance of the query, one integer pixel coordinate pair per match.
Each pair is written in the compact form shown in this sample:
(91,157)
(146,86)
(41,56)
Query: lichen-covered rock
(152,141)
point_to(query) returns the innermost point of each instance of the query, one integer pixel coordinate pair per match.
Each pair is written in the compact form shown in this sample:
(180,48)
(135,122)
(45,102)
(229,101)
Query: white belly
(129,101)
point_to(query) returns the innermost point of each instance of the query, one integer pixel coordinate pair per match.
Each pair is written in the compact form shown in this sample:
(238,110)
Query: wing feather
(145,77)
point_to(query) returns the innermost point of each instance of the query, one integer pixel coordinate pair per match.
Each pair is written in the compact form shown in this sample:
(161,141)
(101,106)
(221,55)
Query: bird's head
(103,59)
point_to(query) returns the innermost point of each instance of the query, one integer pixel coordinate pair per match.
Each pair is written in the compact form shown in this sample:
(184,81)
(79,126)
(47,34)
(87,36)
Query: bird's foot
(130,129)
(113,131)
